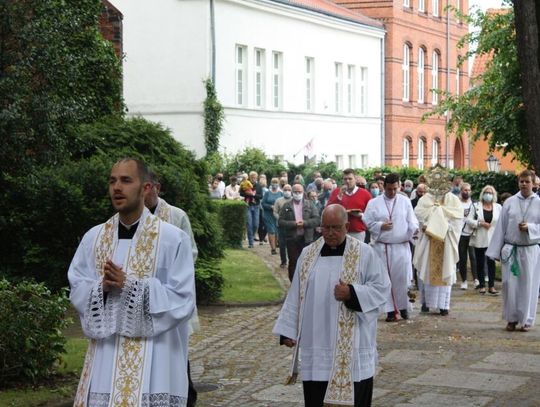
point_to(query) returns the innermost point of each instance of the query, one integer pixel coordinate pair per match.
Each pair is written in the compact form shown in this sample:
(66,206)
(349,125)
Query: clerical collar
(333,251)
(127,231)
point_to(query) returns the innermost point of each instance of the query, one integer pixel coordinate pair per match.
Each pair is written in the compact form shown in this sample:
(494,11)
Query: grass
(59,388)
(247,279)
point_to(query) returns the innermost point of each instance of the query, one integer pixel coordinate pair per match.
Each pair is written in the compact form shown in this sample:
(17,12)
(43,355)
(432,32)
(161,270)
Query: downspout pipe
(383,115)
(446,116)
(213,42)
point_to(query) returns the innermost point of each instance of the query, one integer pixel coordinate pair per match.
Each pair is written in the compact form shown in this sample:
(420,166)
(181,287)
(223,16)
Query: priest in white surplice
(331,311)
(515,242)
(132,283)
(440,215)
(391,221)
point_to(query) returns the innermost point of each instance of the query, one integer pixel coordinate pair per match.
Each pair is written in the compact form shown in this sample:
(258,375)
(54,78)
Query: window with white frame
(364,161)
(434,78)
(435,8)
(420,158)
(363,90)
(310,86)
(434,152)
(351,79)
(458,85)
(422,6)
(277,62)
(338,86)
(241,75)
(406,152)
(420,75)
(259,77)
(352,161)
(339,162)
(458,8)
(406,3)
(406,73)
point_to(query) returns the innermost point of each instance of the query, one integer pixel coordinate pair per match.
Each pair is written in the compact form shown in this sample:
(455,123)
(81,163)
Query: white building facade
(295,78)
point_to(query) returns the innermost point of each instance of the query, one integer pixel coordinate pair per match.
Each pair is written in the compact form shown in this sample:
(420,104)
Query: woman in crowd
(214,191)
(374,189)
(262,224)
(487,215)
(268,201)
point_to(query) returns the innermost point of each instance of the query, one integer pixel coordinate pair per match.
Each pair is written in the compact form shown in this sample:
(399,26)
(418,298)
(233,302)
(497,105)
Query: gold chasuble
(130,353)
(340,390)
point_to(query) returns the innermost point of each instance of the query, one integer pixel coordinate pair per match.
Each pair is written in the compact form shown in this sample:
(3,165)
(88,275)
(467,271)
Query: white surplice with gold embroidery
(335,344)
(138,350)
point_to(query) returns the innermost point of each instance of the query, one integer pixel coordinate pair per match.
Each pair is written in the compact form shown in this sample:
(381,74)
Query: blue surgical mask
(274,187)
(408,189)
(487,197)
(374,192)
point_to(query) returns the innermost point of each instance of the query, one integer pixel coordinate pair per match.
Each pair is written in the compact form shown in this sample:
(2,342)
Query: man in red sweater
(354,200)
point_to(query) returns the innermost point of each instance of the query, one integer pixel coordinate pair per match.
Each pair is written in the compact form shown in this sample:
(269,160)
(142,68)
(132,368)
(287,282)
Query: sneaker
(250,246)
(463,285)
(273,251)
(283,265)
(424,308)
(476,283)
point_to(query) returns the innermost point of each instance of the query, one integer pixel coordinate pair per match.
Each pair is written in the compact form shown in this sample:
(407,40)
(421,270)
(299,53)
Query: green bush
(232,218)
(31,340)
(251,159)
(208,281)
(44,215)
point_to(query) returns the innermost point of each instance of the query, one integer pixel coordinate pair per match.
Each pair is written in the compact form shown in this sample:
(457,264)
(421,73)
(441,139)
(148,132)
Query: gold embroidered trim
(131,352)
(82,389)
(164,211)
(340,386)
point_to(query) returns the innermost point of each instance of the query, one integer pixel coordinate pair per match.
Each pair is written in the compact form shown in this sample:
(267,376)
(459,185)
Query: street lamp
(493,163)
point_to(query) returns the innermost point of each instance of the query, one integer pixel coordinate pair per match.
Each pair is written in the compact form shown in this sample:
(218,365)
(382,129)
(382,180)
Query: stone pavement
(465,359)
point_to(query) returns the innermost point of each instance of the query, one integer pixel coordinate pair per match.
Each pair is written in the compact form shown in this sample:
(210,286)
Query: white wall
(166,48)
(272,27)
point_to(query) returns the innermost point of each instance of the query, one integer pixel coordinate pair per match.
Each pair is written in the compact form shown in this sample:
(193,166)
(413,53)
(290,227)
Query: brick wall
(110,24)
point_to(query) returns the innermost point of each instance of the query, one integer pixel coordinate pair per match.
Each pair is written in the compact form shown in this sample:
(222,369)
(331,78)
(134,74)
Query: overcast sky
(485,4)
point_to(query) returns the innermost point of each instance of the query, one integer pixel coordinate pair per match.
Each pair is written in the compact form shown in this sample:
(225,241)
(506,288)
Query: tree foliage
(492,109)
(56,70)
(213,118)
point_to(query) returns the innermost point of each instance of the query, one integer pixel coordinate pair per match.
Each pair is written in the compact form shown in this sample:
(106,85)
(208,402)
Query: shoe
(283,265)
(255,239)
(273,251)
(463,285)
(493,291)
(482,291)
(424,308)
(476,283)
(391,317)
(511,326)
(261,243)
(404,314)
(250,246)
(443,312)
(525,328)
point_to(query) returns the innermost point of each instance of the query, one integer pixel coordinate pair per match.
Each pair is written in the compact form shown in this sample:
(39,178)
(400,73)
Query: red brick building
(110,25)
(420,54)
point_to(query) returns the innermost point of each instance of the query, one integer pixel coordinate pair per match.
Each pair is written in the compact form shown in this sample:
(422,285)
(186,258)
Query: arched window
(406,72)
(420,158)
(420,76)
(434,152)
(434,77)
(406,152)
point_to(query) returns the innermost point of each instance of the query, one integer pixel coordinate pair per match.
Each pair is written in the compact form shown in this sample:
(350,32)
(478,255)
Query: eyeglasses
(332,228)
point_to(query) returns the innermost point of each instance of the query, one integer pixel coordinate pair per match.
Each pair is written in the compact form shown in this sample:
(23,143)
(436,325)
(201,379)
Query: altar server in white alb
(132,283)
(515,243)
(392,223)
(330,315)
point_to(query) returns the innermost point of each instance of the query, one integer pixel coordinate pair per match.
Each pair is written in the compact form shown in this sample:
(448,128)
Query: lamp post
(493,163)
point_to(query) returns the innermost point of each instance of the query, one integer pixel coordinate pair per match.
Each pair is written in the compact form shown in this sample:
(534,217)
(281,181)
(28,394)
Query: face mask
(488,197)
(297,196)
(287,194)
(375,192)
(408,189)
(274,187)
(535,190)
(465,195)
(456,189)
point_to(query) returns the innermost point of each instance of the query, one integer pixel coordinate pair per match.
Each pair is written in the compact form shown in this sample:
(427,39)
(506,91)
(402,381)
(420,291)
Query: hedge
(232,218)
(31,340)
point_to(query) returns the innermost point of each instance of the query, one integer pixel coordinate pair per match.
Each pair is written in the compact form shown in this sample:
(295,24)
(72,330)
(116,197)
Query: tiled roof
(328,7)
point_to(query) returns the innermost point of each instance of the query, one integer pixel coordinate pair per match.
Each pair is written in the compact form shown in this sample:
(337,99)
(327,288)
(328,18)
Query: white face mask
(297,196)
(487,197)
(287,194)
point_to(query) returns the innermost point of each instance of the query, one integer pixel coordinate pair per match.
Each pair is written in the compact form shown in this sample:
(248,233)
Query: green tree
(492,108)
(213,118)
(56,70)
